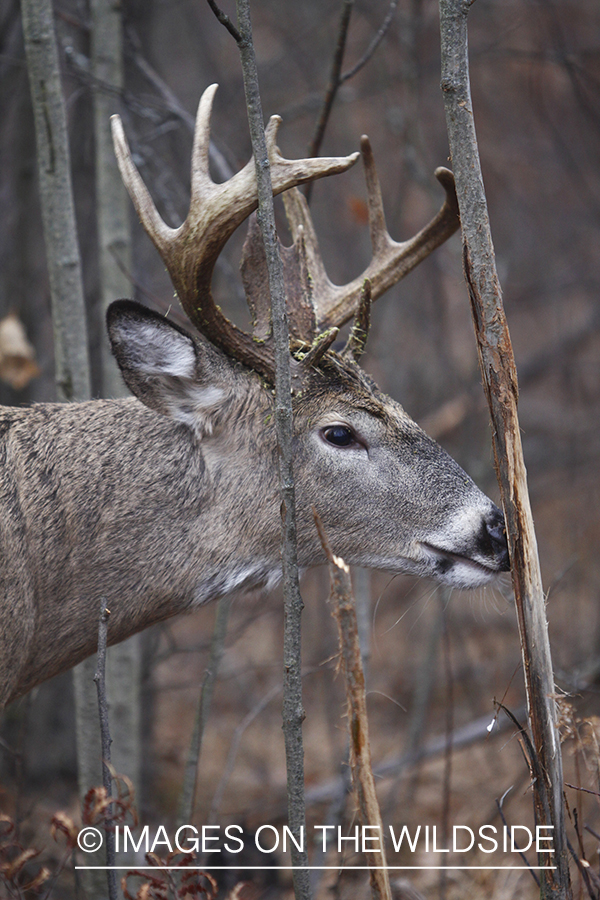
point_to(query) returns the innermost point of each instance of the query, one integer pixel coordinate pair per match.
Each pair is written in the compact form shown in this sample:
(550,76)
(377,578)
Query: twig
(582,789)
(381,33)
(234,747)
(226,21)
(443,599)
(332,87)
(344,613)
(500,383)
(471,733)
(293,712)
(106,741)
(591,830)
(313,101)
(520,852)
(172,104)
(190,775)
(583,871)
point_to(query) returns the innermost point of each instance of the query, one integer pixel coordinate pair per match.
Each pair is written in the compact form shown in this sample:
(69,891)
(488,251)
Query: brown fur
(162,504)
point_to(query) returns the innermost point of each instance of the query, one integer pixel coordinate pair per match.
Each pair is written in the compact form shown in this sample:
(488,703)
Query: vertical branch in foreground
(114,253)
(500,384)
(344,613)
(293,712)
(106,741)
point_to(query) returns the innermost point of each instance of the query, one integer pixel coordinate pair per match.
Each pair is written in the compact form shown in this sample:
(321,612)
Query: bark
(106,741)
(112,202)
(293,712)
(500,384)
(58,215)
(68,310)
(114,245)
(344,612)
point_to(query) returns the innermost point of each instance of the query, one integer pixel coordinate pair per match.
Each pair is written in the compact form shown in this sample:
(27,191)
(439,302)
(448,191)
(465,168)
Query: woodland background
(437,659)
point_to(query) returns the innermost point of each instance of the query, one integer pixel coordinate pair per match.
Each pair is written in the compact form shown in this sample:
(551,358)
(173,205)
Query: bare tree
(68,304)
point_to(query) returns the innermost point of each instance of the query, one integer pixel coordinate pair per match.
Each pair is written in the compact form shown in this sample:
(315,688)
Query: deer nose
(495,529)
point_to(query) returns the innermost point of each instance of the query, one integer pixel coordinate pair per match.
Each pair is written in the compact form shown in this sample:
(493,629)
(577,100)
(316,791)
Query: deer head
(438,521)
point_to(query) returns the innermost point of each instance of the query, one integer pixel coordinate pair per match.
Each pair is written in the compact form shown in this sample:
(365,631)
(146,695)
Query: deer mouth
(459,570)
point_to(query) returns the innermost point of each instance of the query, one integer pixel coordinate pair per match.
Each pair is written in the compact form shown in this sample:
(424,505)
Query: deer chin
(457,570)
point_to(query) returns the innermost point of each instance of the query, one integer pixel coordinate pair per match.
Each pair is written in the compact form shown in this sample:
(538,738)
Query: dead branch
(332,86)
(106,741)
(293,712)
(344,613)
(500,383)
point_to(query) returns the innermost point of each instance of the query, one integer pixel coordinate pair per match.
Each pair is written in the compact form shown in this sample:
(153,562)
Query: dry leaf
(17,356)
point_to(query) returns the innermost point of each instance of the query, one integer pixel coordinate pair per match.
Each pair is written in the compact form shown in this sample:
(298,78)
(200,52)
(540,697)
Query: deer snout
(492,539)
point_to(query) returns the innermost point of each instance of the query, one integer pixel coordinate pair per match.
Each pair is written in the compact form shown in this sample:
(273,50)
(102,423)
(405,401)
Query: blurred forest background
(437,660)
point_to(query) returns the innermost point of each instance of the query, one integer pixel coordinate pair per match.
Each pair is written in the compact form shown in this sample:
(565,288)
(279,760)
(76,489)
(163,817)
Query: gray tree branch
(293,711)
(500,384)
(106,741)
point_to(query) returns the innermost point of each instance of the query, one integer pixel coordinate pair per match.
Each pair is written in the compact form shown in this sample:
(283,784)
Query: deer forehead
(368,410)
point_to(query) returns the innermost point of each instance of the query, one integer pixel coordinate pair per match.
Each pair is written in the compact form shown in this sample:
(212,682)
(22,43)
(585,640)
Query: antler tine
(156,228)
(319,348)
(287,173)
(190,252)
(391,260)
(332,305)
(377,226)
(200,151)
(302,229)
(357,339)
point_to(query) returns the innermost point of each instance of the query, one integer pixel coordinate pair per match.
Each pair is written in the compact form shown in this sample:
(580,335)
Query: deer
(170,498)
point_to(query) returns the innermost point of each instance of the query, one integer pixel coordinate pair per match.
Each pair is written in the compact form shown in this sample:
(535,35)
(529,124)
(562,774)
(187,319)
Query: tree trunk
(68,313)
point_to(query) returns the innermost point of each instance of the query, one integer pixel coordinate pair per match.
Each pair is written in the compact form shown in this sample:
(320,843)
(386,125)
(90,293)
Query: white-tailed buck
(170,499)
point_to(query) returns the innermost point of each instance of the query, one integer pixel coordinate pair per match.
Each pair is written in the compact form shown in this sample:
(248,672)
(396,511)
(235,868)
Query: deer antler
(315,304)
(333,305)
(191,251)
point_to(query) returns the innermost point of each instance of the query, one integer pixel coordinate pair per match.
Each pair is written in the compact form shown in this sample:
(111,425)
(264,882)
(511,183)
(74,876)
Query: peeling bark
(500,385)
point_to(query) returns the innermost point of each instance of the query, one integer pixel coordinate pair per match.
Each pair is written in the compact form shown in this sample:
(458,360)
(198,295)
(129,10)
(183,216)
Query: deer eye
(339,435)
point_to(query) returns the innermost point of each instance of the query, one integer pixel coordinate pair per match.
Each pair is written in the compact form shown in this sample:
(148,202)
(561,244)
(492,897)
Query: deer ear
(164,367)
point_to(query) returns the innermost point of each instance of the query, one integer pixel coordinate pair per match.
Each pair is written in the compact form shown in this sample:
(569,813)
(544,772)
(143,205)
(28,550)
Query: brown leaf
(64,824)
(13,868)
(17,356)
(42,876)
